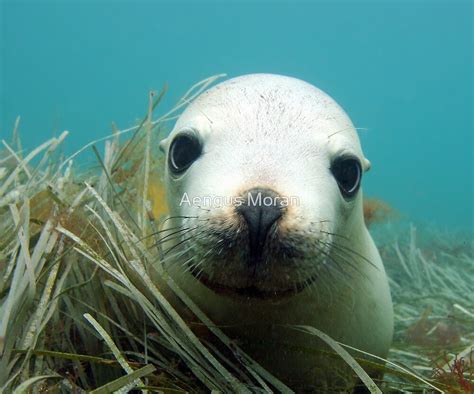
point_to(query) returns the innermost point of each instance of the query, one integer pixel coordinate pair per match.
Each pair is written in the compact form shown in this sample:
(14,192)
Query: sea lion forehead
(267,87)
(268,99)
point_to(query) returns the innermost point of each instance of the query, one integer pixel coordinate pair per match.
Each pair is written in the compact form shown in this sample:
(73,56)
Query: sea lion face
(263,181)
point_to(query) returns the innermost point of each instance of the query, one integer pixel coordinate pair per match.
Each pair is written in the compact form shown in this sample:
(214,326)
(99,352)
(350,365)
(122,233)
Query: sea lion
(266,226)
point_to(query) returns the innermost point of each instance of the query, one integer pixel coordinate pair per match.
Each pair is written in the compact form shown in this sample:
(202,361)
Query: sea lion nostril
(260,208)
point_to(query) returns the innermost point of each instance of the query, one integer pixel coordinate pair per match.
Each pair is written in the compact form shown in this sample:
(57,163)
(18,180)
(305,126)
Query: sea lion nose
(260,208)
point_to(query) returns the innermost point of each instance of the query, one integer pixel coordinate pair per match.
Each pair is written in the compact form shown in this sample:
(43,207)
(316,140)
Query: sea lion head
(263,177)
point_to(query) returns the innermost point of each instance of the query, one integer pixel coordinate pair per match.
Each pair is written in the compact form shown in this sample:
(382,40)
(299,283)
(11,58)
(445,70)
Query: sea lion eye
(348,173)
(184,151)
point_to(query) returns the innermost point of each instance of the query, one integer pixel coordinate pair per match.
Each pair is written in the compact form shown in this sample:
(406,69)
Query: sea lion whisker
(175,256)
(170,236)
(329,256)
(198,274)
(328,284)
(344,256)
(203,209)
(344,275)
(177,245)
(200,262)
(193,267)
(155,233)
(354,252)
(299,280)
(176,217)
(198,266)
(335,234)
(160,242)
(195,236)
(189,264)
(346,129)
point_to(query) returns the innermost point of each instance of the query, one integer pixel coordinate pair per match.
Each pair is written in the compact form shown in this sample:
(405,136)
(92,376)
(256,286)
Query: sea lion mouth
(254,292)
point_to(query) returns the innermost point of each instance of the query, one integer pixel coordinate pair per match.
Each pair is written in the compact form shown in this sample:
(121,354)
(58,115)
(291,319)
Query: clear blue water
(403,70)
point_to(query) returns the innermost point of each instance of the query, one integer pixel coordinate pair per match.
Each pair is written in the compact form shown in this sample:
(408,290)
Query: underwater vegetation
(434,327)
(80,311)
(377,211)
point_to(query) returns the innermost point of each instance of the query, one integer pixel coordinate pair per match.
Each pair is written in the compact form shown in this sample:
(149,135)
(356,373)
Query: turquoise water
(403,70)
